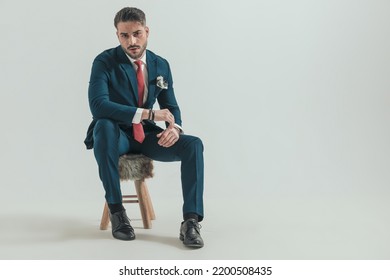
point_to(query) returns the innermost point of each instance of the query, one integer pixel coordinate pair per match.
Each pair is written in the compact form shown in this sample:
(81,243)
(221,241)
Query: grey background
(290,98)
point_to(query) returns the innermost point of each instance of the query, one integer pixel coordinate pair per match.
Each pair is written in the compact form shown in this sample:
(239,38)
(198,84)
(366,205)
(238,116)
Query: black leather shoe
(121,228)
(190,234)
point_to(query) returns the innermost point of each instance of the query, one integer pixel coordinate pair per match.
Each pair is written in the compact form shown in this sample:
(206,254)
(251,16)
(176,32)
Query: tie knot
(138,63)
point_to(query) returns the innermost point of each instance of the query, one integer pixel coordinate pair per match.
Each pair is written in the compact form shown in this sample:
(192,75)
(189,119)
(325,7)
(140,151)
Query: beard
(135,51)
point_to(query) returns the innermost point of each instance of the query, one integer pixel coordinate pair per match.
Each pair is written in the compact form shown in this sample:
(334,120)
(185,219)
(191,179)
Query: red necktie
(138,129)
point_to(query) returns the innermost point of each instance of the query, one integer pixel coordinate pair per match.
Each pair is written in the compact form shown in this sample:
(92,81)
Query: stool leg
(149,204)
(142,197)
(105,218)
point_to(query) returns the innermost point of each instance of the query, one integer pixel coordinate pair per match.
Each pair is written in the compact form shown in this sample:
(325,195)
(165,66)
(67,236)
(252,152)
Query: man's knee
(194,143)
(198,143)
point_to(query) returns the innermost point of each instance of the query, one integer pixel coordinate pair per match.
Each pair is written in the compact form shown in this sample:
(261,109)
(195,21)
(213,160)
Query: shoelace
(194,225)
(123,219)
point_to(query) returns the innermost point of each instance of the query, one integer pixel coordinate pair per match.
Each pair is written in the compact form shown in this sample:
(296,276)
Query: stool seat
(137,168)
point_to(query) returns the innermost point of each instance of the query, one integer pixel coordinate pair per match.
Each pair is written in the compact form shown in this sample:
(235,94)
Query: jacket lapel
(151,63)
(129,69)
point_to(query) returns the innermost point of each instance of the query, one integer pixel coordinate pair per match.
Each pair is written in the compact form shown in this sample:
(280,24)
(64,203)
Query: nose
(132,40)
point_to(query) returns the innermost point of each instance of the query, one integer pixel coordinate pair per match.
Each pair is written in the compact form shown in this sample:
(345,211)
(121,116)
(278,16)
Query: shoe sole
(124,239)
(130,239)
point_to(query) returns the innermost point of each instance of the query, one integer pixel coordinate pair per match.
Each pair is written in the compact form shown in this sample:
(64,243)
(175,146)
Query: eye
(124,35)
(137,34)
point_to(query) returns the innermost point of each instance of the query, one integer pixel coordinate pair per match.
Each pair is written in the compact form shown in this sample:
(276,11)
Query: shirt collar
(143,59)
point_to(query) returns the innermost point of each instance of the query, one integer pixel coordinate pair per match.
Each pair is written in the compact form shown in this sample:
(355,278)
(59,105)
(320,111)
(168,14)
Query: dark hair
(130,14)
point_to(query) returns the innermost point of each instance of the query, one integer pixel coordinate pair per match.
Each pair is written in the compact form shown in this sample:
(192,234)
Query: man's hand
(159,115)
(164,115)
(168,137)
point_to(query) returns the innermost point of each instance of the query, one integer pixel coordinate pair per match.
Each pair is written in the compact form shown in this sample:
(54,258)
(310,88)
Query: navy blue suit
(113,99)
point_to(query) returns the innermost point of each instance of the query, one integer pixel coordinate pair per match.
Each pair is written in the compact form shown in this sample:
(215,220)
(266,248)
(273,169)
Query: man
(125,83)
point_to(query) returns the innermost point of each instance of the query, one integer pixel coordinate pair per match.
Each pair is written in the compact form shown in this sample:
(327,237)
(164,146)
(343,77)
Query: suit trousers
(110,142)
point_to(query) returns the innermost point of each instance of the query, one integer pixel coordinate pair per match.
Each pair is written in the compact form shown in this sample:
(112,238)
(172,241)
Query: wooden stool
(135,167)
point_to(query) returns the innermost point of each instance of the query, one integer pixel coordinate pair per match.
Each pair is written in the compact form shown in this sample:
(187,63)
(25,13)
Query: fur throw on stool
(135,167)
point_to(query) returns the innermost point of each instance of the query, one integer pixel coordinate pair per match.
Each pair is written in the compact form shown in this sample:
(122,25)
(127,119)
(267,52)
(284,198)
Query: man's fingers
(164,115)
(169,117)
(162,135)
(167,138)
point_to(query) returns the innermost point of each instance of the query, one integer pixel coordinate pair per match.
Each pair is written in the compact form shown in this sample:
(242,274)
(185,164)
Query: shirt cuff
(180,128)
(138,115)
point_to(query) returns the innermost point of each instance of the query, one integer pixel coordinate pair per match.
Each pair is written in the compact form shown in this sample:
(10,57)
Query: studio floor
(269,227)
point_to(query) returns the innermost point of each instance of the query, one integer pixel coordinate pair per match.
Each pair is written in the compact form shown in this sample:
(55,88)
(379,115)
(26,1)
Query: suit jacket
(113,92)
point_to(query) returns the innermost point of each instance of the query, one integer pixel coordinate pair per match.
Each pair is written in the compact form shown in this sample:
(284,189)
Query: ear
(147,31)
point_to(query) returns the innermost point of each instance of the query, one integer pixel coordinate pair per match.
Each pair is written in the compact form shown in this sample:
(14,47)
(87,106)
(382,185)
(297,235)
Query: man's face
(133,37)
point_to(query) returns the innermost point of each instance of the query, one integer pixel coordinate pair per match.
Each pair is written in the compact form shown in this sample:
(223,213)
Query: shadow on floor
(34,229)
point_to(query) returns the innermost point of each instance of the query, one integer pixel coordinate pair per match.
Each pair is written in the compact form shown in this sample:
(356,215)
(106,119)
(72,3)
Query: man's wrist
(145,114)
